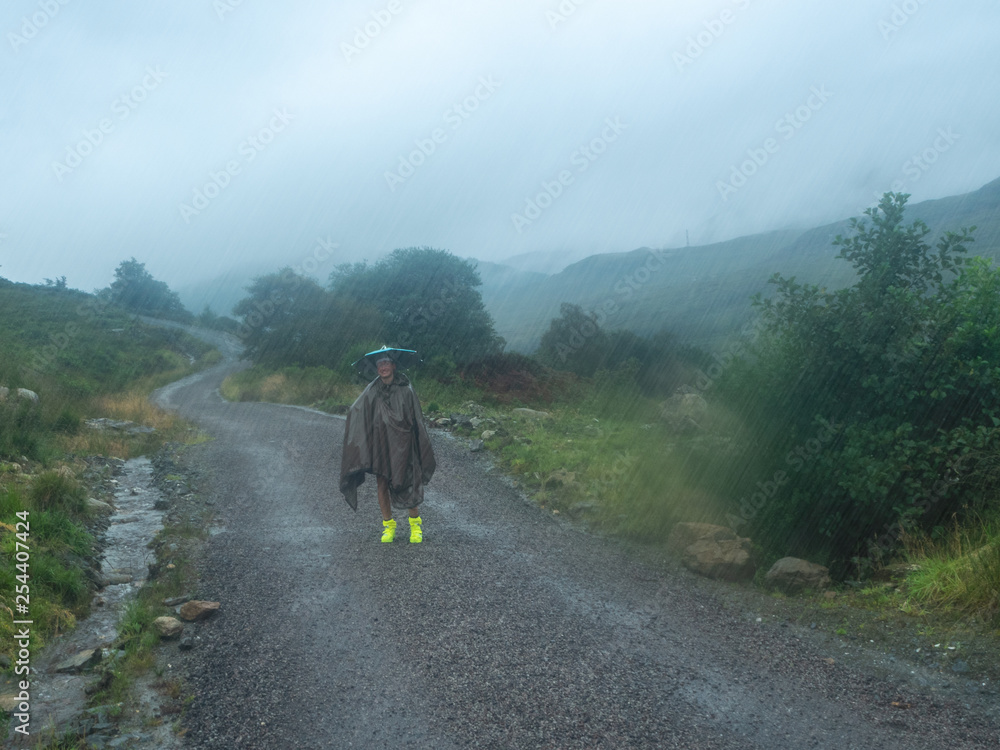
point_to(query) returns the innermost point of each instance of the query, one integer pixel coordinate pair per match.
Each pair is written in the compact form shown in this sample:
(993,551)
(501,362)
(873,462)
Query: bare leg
(383,498)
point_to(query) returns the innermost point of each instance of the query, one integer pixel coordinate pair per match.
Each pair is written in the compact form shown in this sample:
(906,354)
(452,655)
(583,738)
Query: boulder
(712,551)
(98,508)
(487,434)
(168,627)
(27,395)
(793,575)
(683,535)
(196,610)
(79,662)
(20,392)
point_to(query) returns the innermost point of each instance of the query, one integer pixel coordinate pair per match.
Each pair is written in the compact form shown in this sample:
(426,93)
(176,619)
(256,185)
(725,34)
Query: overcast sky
(198,135)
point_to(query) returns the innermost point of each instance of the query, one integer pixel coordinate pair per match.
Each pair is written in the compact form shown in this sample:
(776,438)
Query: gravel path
(506,628)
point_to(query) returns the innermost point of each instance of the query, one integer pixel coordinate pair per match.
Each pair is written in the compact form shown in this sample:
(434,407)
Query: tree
(426,300)
(289,319)
(574,342)
(135,289)
(902,363)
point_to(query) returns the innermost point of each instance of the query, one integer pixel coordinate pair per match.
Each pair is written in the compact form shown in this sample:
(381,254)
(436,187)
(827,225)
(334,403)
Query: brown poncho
(385,436)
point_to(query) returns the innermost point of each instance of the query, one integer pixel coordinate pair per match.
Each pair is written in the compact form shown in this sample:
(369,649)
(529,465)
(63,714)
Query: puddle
(58,699)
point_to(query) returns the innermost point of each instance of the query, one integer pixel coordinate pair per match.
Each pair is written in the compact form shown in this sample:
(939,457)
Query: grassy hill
(702,293)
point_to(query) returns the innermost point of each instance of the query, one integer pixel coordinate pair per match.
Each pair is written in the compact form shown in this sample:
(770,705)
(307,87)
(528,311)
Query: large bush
(871,404)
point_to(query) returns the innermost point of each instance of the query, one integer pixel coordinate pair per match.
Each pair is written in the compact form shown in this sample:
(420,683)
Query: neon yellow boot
(416,533)
(389,532)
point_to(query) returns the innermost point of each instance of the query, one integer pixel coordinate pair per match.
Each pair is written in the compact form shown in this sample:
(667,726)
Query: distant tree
(574,342)
(59,283)
(289,319)
(135,289)
(426,300)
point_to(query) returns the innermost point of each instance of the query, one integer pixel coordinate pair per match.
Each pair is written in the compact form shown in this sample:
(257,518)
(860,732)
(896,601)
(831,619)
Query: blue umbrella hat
(368,364)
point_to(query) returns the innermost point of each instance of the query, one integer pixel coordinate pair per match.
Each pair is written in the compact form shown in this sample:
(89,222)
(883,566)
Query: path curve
(506,628)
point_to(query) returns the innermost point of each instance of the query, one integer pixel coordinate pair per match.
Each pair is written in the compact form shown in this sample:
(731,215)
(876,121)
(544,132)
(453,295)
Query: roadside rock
(712,551)
(168,627)
(80,661)
(793,575)
(684,534)
(196,610)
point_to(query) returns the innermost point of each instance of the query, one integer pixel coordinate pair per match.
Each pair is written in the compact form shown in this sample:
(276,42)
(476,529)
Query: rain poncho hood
(385,435)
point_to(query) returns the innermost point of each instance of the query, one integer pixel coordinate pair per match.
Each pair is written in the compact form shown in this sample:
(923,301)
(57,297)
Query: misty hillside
(702,293)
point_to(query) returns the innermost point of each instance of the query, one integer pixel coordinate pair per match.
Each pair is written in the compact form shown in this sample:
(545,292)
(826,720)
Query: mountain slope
(702,294)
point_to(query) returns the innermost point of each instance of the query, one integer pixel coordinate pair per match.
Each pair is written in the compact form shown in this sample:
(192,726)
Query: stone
(476,446)
(176,600)
(724,560)
(27,395)
(186,644)
(79,662)
(168,627)
(461,420)
(442,422)
(712,551)
(197,610)
(4,661)
(530,413)
(684,534)
(793,575)
(473,408)
(487,434)
(98,507)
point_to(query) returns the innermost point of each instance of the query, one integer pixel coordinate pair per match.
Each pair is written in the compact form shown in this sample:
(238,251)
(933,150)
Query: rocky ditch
(134,499)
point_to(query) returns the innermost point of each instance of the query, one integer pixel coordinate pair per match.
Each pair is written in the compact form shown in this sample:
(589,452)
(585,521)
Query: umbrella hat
(402,357)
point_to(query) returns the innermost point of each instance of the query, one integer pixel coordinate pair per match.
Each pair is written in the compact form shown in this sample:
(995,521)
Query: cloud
(354,116)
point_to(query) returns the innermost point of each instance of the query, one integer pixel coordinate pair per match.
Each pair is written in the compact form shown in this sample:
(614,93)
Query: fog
(203,136)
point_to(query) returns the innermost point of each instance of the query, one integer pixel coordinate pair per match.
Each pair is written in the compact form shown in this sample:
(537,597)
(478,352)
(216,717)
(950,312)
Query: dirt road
(506,628)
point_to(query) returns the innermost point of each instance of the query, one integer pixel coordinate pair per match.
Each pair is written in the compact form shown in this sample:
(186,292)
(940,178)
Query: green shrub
(54,491)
